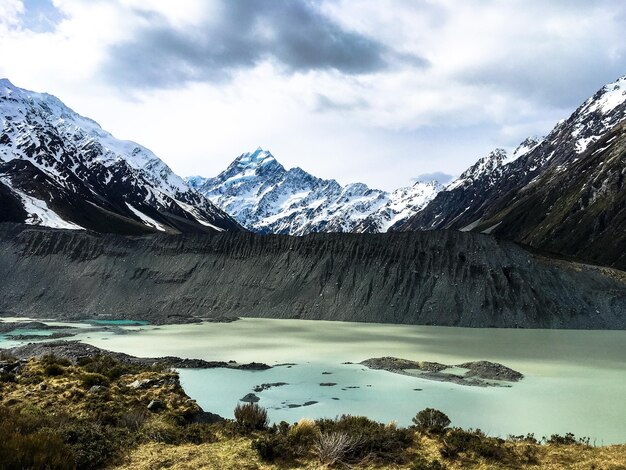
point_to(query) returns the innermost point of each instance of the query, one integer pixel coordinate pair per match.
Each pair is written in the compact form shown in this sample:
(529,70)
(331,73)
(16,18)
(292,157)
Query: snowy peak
(598,114)
(486,165)
(256,159)
(265,197)
(607,98)
(526,146)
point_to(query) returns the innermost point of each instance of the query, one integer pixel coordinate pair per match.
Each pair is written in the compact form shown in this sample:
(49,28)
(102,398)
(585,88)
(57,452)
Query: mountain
(442,277)
(60,169)
(563,194)
(265,197)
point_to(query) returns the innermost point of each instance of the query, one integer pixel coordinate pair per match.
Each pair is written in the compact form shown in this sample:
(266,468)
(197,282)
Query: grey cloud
(294,34)
(324,103)
(439,176)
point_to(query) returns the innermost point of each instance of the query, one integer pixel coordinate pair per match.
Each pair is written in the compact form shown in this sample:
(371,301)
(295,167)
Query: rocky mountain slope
(565,194)
(267,198)
(433,277)
(60,169)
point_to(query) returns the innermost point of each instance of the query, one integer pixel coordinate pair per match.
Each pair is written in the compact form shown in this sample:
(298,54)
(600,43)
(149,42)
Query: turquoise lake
(575,381)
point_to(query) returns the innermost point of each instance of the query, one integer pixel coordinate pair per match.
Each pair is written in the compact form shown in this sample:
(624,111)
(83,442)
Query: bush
(287,442)
(474,443)
(107,366)
(334,447)
(89,379)
(198,433)
(431,421)
(54,370)
(159,429)
(39,450)
(387,444)
(133,419)
(274,446)
(49,359)
(94,446)
(567,440)
(251,417)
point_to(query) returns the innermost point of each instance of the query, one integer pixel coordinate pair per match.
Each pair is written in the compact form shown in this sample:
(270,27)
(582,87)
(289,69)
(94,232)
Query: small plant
(431,421)
(567,440)
(333,447)
(373,440)
(251,417)
(54,370)
(422,464)
(89,379)
(476,443)
(52,359)
(133,419)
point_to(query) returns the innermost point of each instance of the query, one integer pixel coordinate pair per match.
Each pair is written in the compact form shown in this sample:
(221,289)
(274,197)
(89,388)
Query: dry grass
(67,392)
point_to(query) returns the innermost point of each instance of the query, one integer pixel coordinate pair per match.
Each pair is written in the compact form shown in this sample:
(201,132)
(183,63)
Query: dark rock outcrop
(438,277)
(75,351)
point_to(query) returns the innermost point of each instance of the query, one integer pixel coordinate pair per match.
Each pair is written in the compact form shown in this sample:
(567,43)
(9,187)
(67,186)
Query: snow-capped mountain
(62,170)
(564,193)
(265,197)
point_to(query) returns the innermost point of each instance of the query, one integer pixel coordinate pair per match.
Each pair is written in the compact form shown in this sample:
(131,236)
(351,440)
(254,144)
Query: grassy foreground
(101,413)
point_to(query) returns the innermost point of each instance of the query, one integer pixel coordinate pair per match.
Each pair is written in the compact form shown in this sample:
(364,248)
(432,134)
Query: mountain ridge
(266,197)
(566,161)
(445,277)
(61,169)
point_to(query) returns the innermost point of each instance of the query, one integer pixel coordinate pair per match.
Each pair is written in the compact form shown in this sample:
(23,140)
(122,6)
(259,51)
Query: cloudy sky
(379,91)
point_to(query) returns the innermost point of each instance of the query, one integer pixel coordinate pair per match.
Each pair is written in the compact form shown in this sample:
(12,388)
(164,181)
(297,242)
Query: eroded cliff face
(438,277)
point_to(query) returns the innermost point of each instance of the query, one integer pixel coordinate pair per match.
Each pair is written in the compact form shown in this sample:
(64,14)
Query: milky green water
(575,380)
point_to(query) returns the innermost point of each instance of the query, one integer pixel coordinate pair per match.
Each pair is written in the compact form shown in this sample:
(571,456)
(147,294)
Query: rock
(491,371)
(260,388)
(206,417)
(328,384)
(98,389)
(140,384)
(394,364)
(156,405)
(250,398)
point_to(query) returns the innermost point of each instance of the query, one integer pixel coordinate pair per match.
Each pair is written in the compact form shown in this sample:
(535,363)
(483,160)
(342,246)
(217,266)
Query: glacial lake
(575,381)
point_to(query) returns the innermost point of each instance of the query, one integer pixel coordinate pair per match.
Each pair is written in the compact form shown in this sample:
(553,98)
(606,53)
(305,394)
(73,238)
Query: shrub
(4,377)
(302,435)
(529,438)
(567,440)
(274,446)
(287,442)
(49,359)
(198,433)
(89,379)
(53,370)
(431,421)
(42,449)
(334,447)
(133,419)
(386,444)
(476,443)
(251,417)
(159,429)
(94,446)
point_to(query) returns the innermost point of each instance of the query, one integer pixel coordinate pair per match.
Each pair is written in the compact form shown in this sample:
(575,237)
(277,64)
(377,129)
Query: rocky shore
(74,351)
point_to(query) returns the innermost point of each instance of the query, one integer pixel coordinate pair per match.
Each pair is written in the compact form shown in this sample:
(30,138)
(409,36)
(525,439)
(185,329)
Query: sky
(384,92)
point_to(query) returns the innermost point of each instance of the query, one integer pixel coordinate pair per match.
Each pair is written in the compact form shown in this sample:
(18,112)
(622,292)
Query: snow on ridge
(264,196)
(38,211)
